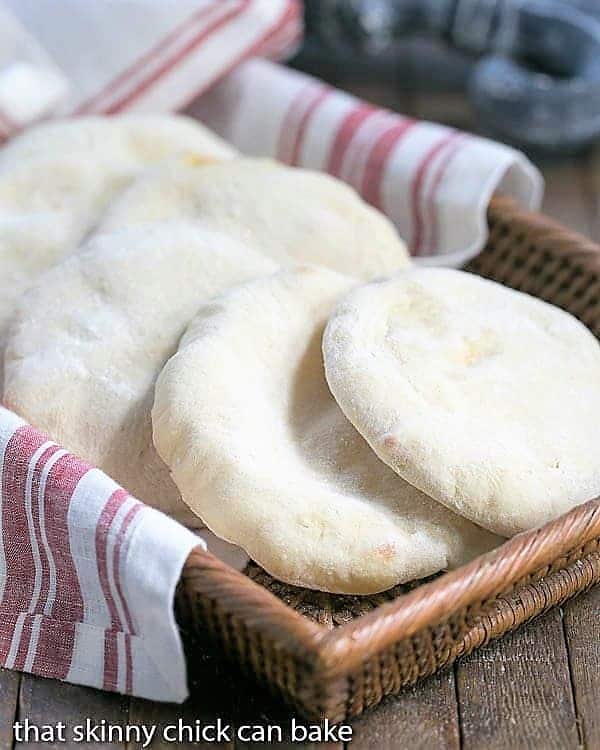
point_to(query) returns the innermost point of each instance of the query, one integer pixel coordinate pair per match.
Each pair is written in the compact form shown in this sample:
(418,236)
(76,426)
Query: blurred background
(526,72)
(530,69)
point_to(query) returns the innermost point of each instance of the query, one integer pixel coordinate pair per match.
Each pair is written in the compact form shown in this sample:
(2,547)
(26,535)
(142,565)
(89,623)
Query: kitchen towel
(107,56)
(78,600)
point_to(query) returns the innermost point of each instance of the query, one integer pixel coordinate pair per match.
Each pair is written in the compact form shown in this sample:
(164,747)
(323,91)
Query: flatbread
(57,178)
(263,454)
(88,341)
(280,211)
(485,398)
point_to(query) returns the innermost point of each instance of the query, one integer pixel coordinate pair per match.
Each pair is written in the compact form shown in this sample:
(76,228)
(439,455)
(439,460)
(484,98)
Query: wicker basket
(334,656)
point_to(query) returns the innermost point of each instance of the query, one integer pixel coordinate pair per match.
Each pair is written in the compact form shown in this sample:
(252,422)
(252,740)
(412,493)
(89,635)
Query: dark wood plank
(167,717)
(593,188)
(421,717)
(210,700)
(256,707)
(48,702)
(582,629)
(582,615)
(452,109)
(516,693)
(218,691)
(9,694)
(567,197)
(381,94)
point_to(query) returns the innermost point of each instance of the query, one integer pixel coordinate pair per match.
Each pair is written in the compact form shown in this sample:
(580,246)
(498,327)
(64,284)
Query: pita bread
(88,341)
(263,454)
(485,398)
(280,211)
(56,179)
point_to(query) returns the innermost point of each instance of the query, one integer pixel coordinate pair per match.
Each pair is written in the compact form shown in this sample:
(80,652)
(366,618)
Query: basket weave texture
(335,656)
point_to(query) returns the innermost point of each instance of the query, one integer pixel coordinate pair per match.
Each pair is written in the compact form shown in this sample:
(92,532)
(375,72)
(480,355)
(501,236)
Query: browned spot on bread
(195,160)
(385,551)
(390,443)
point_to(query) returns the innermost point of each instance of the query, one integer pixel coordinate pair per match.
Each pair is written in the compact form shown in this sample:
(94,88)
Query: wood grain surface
(423,717)
(45,702)
(517,692)
(9,696)
(581,626)
(538,688)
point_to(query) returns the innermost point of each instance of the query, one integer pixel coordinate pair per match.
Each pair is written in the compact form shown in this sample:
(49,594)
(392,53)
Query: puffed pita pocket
(485,398)
(262,453)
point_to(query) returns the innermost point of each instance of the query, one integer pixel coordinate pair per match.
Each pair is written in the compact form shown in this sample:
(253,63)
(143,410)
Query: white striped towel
(78,600)
(103,57)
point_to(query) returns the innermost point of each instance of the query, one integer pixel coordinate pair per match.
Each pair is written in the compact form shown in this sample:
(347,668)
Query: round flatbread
(281,211)
(263,454)
(88,341)
(485,398)
(57,178)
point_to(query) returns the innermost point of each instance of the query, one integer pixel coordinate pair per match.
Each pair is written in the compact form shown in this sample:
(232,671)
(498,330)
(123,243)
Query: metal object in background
(531,67)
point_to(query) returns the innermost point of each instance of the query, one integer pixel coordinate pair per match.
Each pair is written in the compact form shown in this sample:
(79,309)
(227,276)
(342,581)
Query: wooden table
(538,688)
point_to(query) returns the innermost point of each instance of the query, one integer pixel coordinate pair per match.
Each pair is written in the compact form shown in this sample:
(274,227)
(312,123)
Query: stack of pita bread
(246,346)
